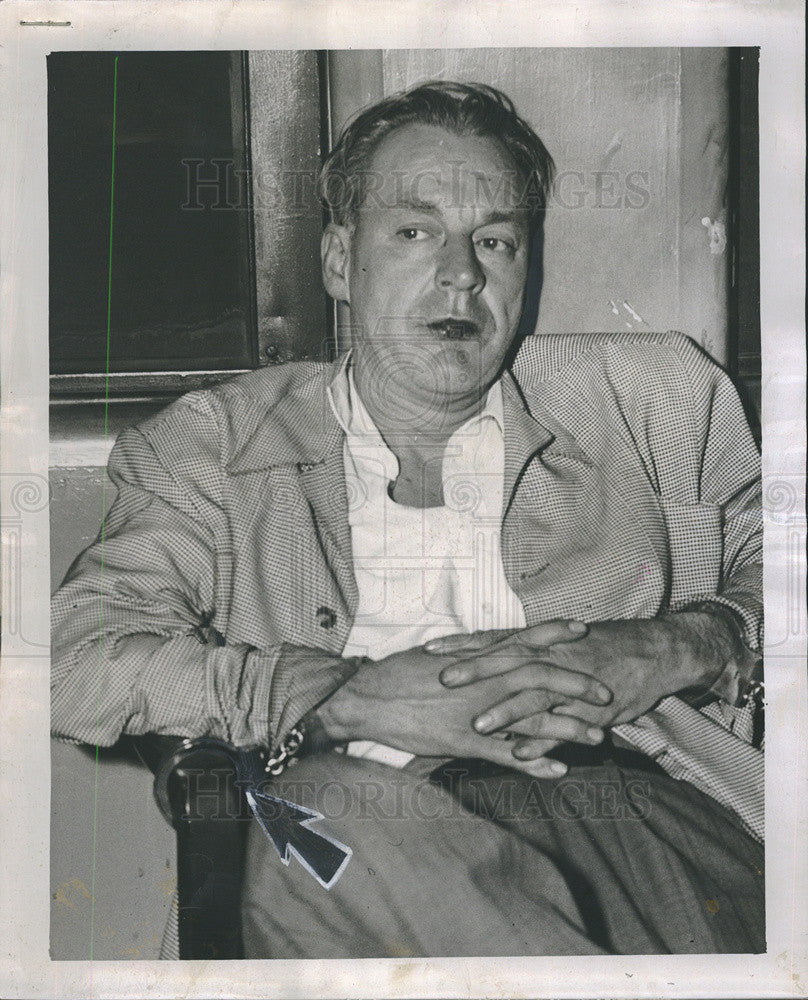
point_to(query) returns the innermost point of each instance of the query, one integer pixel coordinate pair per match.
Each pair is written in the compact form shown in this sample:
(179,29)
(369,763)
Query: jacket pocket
(695,544)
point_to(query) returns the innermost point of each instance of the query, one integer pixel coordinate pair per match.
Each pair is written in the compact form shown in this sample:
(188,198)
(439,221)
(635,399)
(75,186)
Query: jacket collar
(299,427)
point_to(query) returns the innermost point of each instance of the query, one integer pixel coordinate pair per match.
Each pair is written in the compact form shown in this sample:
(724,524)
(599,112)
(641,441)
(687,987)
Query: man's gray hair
(462,108)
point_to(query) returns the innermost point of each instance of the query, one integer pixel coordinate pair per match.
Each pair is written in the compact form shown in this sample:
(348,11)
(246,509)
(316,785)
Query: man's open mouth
(455,329)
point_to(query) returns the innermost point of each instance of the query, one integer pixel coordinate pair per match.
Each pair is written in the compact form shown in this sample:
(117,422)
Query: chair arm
(187,771)
(196,787)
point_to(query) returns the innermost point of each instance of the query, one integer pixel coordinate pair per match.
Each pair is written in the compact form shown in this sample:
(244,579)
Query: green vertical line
(103,501)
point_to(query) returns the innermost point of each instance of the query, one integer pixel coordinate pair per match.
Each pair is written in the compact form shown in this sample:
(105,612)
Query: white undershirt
(423,572)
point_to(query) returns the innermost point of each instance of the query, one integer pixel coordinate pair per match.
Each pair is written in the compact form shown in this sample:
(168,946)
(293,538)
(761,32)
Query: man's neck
(408,423)
(417,433)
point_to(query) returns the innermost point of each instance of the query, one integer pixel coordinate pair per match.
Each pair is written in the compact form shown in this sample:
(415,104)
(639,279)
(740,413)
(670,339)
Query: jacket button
(326,617)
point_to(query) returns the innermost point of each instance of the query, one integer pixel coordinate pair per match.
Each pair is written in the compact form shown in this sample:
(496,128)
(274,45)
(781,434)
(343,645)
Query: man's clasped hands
(555,682)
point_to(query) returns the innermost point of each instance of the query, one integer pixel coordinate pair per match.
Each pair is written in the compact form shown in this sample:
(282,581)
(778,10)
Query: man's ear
(335,251)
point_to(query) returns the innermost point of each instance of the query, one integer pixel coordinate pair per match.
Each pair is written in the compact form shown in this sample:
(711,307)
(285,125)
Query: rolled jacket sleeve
(730,479)
(136,645)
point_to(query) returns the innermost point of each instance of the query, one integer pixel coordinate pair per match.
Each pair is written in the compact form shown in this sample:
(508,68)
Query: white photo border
(26,969)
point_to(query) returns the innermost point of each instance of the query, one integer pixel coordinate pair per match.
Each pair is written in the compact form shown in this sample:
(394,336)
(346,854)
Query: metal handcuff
(290,747)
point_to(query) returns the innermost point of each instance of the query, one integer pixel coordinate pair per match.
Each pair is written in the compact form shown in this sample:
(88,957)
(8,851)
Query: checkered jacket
(631,487)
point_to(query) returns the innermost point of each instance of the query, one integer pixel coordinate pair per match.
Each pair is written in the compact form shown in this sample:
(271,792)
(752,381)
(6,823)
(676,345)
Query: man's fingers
(466,642)
(559,681)
(525,713)
(501,752)
(544,634)
(579,709)
(536,676)
(530,752)
(549,633)
(540,767)
(563,729)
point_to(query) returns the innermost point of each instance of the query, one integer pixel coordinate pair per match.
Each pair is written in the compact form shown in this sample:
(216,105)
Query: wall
(110,891)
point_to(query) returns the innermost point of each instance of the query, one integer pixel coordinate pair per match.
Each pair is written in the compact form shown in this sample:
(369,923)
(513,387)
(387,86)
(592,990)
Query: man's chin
(437,401)
(449,371)
(457,364)
(437,375)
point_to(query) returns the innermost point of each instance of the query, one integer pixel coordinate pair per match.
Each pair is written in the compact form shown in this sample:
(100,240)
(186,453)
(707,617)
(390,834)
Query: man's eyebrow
(494,217)
(414,205)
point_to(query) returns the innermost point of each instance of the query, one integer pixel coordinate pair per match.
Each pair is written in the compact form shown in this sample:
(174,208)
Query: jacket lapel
(545,485)
(297,426)
(524,437)
(570,543)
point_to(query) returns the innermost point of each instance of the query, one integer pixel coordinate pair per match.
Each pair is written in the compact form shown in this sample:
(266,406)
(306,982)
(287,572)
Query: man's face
(436,266)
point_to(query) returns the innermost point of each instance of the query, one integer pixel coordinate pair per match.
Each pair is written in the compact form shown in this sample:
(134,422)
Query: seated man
(512,591)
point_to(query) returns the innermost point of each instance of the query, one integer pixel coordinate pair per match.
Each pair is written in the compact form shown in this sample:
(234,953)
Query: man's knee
(388,818)
(341,788)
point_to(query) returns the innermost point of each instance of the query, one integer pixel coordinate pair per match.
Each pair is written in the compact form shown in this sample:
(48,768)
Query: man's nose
(458,267)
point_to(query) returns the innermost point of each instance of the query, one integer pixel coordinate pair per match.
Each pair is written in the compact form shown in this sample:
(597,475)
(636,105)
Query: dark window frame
(744,349)
(280,329)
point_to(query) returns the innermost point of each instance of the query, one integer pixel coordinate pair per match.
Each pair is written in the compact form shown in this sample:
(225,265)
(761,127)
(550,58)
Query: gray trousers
(609,859)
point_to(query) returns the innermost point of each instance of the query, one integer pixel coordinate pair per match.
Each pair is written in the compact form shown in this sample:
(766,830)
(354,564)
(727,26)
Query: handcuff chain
(276,764)
(755,693)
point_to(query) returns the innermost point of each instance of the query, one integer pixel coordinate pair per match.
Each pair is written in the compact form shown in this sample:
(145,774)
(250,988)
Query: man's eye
(496,244)
(411,233)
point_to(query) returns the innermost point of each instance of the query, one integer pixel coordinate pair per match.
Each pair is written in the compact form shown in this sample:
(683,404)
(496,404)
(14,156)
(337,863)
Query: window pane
(181,290)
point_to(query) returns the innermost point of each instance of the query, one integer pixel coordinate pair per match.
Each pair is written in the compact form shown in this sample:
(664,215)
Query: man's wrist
(332,718)
(302,678)
(713,656)
(338,716)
